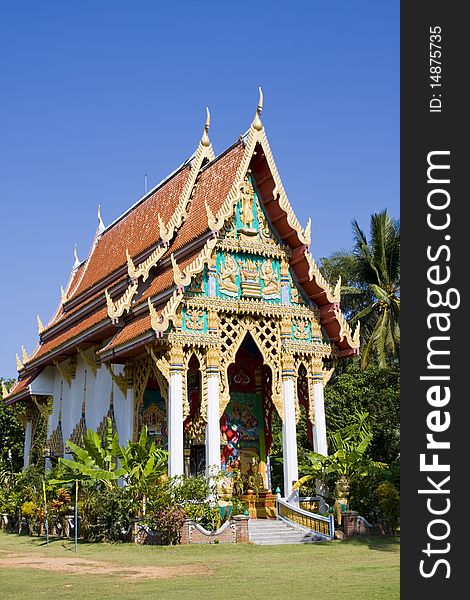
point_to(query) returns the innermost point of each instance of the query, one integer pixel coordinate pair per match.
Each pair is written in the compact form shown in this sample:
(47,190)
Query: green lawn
(360,568)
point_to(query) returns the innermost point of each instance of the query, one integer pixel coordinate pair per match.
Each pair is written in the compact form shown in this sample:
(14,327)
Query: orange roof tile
(213,185)
(131,331)
(81,327)
(18,387)
(136,231)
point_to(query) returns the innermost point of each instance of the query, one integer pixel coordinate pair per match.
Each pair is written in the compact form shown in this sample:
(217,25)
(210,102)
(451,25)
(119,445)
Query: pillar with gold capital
(28,438)
(175,413)
(289,437)
(319,429)
(213,419)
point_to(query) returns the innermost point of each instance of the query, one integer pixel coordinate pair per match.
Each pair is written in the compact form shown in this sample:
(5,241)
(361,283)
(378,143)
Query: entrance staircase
(273,531)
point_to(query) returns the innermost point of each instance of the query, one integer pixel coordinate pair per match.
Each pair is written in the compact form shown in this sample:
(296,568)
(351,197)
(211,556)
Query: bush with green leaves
(389,501)
(204,513)
(105,515)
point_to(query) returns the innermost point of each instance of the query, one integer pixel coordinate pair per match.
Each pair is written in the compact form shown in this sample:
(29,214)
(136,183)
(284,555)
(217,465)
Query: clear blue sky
(96,94)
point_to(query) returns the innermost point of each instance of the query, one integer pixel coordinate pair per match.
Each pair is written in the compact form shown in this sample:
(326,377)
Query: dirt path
(84,566)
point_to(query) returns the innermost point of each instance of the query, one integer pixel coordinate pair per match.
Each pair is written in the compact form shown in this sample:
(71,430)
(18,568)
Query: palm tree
(371,294)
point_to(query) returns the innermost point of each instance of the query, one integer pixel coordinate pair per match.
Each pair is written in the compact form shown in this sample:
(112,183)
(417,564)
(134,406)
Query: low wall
(234,531)
(354,524)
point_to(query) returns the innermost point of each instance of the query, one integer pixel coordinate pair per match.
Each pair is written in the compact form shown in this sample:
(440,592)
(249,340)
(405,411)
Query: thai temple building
(200,313)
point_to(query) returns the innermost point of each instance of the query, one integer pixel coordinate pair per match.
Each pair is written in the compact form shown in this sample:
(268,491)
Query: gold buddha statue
(272,287)
(227,277)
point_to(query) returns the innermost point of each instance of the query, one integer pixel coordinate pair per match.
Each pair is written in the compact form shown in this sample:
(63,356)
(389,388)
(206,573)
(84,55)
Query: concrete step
(272,531)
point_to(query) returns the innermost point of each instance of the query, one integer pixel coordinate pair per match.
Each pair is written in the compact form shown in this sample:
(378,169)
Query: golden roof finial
(205,141)
(24,355)
(19,365)
(63,295)
(4,390)
(40,325)
(257,121)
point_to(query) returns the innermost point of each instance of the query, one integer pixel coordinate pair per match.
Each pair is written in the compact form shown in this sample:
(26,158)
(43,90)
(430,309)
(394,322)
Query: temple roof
(129,273)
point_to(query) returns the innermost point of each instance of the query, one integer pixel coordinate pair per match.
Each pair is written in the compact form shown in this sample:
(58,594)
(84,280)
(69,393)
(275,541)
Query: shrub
(28,509)
(168,522)
(105,515)
(389,502)
(204,514)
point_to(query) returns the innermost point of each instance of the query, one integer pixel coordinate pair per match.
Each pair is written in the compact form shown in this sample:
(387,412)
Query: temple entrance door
(153,413)
(246,422)
(194,425)
(197,460)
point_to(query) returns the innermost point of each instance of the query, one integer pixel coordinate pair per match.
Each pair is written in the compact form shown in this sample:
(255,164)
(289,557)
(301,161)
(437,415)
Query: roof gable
(146,258)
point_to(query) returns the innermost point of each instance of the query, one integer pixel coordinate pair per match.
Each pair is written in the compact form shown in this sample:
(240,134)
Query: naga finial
(257,121)
(76,264)
(205,141)
(19,364)
(101,225)
(24,355)
(4,390)
(40,325)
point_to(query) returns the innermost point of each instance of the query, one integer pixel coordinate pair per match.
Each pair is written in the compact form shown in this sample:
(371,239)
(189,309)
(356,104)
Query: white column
(27,443)
(289,438)
(319,433)
(175,414)
(213,425)
(319,429)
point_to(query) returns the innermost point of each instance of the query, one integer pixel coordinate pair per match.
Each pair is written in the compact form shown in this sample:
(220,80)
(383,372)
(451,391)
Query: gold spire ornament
(63,295)
(4,390)
(257,121)
(40,325)
(205,141)
(19,364)
(24,355)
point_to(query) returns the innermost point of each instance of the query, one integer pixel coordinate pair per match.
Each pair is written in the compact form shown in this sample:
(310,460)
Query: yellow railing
(318,524)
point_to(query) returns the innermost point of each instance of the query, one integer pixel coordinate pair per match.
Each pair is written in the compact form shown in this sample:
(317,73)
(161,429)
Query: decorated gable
(250,263)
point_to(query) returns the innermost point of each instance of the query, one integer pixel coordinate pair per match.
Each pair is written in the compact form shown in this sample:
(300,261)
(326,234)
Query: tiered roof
(131,279)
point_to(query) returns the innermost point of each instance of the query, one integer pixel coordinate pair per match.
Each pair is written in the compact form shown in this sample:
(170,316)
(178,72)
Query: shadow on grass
(383,543)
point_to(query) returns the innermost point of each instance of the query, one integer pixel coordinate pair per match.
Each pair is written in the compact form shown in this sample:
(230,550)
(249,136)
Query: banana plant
(95,461)
(349,457)
(143,462)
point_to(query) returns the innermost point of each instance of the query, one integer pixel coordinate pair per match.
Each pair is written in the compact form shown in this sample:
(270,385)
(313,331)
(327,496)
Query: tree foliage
(373,390)
(370,274)
(11,434)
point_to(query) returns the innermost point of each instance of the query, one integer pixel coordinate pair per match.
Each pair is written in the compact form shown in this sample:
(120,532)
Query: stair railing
(319,525)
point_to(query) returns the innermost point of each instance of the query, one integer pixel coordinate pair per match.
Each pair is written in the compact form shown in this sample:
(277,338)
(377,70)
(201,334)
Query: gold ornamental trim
(254,306)
(119,380)
(160,322)
(203,152)
(124,303)
(256,135)
(183,278)
(314,272)
(346,332)
(143,270)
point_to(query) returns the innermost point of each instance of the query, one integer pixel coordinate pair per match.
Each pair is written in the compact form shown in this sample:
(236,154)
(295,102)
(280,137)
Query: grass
(362,568)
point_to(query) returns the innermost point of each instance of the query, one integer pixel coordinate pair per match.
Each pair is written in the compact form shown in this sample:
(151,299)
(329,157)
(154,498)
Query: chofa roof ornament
(101,225)
(205,141)
(257,121)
